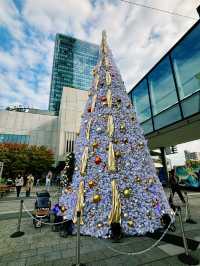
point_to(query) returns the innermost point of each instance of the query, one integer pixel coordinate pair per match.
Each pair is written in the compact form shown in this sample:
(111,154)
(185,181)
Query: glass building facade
(170,91)
(72,67)
(11,138)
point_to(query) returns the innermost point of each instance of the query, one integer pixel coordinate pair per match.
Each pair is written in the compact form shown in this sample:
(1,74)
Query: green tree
(22,158)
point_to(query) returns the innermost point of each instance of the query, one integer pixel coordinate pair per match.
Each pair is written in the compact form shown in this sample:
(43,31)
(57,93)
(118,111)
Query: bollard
(18,233)
(186,257)
(188,218)
(78,242)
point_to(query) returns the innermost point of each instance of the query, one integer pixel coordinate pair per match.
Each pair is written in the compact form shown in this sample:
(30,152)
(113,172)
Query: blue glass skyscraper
(72,67)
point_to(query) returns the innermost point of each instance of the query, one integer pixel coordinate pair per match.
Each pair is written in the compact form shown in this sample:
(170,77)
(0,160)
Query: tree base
(190,221)
(188,259)
(17,234)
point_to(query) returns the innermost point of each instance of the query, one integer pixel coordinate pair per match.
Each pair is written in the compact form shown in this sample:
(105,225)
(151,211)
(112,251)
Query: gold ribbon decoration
(111,158)
(108,79)
(84,159)
(93,102)
(110,126)
(109,98)
(115,213)
(96,81)
(95,71)
(79,203)
(87,133)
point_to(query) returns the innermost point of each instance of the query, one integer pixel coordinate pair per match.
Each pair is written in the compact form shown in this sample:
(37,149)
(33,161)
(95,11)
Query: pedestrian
(48,180)
(29,184)
(173,182)
(19,182)
(67,203)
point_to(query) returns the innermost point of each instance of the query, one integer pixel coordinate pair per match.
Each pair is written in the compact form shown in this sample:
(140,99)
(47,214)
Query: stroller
(42,208)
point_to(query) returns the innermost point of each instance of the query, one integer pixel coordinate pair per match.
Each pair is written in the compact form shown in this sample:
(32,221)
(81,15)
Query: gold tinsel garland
(111,158)
(87,133)
(93,102)
(96,81)
(115,214)
(110,126)
(80,203)
(109,98)
(84,159)
(108,79)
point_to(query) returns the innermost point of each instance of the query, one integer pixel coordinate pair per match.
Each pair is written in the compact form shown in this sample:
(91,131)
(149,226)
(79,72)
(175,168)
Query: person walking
(48,180)
(19,182)
(173,182)
(29,184)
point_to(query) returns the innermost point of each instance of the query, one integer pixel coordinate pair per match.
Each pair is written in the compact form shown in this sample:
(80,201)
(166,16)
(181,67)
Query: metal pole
(186,257)
(78,241)
(18,232)
(182,231)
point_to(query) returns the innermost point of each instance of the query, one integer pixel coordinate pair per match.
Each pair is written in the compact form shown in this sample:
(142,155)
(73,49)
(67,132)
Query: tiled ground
(44,247)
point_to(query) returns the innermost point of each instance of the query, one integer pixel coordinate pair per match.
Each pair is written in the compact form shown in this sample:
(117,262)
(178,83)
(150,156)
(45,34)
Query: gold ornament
(84,159)
(122,127)
(115,213)
(127,192)
(111,158)
(91,183)
(95,71)
(96,198)
(151,180)
(99,225)
(138,180)
(140,145)
(125,141)
(63,209)
(130,223)
(116,141)
(95,144)
(118,154)
(154,202)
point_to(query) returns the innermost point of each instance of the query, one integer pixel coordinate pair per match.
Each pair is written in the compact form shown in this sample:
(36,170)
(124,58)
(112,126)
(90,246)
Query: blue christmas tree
(114,176)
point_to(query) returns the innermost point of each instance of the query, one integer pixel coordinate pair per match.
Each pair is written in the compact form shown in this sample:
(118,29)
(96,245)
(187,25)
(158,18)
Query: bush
(24,159)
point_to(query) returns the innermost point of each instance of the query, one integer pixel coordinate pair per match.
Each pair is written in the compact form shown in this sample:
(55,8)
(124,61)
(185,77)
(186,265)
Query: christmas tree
(114,176)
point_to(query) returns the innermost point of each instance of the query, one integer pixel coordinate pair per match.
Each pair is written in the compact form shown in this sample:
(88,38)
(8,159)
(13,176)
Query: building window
(162,87)
(141,101)
(186,62)
(11,138)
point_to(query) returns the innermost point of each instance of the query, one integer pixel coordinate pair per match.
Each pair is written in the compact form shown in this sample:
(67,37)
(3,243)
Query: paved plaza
(44,247)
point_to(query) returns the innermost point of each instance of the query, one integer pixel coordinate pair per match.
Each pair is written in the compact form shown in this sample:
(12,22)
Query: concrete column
(164,162)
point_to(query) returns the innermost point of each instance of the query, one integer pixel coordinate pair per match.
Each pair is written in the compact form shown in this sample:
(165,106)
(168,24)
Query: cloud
(10,19)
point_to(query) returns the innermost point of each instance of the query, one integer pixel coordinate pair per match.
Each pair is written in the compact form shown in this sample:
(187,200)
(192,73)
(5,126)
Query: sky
(138,37)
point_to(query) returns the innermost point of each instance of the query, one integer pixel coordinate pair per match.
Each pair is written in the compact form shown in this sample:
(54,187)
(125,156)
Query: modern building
(38,127)
(192,156)
(72,66)
(167,98)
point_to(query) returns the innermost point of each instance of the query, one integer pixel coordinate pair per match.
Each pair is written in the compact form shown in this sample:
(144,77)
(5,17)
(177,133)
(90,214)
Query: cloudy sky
(137,36)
